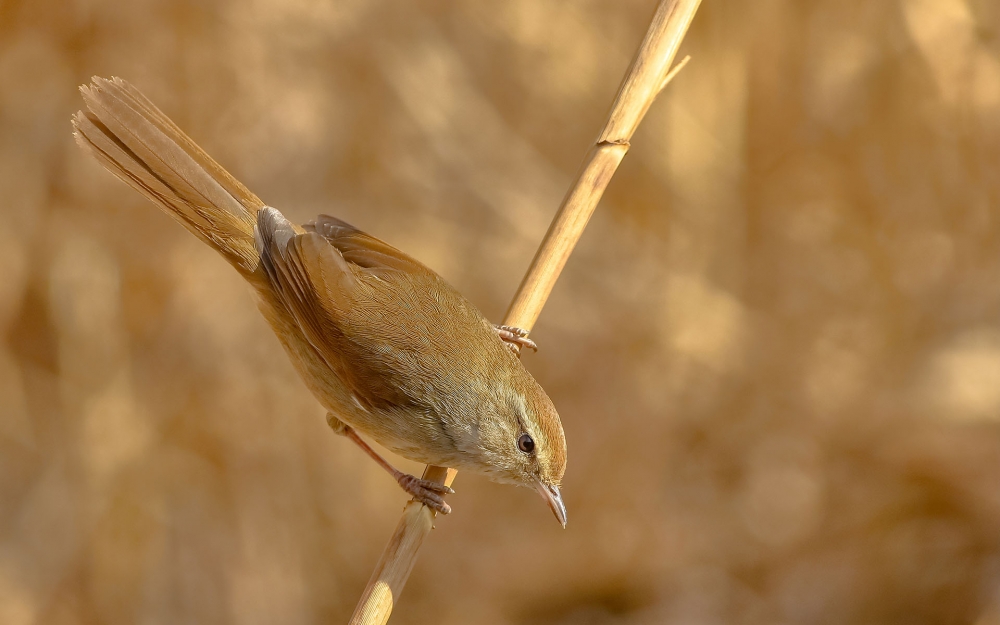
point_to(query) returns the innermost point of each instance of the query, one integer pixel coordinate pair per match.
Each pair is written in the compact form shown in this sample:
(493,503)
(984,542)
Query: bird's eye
(526,444)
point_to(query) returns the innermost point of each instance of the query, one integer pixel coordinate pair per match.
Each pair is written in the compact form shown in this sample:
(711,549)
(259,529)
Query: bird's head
(520,440)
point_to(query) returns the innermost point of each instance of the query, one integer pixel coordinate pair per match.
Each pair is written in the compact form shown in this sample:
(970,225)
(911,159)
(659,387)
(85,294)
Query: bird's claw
(515,338)
(427,492)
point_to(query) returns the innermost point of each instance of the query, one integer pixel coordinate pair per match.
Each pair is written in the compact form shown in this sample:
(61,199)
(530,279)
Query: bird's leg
(425,491)
(515,338)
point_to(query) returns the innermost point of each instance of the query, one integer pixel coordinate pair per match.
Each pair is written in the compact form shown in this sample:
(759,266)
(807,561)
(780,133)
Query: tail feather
(138,143)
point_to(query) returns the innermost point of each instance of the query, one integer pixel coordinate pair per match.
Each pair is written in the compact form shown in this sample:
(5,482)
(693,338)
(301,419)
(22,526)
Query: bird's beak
(552,497)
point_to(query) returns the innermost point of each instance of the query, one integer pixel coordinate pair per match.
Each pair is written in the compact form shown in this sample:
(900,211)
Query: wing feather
(361,248)
(318,286)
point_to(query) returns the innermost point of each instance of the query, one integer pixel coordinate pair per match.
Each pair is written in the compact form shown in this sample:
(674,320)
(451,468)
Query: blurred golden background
(776,350)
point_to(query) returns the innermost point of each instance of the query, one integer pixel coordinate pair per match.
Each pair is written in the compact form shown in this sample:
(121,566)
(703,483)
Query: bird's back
(396,352)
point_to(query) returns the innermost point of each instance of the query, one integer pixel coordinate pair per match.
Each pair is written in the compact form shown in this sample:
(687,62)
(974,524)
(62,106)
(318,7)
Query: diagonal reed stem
(648,74)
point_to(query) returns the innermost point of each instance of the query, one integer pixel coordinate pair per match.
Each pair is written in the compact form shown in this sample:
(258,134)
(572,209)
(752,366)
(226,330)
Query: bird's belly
(403,435)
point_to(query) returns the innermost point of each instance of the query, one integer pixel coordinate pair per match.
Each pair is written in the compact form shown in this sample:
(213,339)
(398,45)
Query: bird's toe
(427,492)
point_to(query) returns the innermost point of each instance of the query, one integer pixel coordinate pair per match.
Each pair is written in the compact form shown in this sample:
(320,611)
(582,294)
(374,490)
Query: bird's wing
(320,287)
(362,249)
(308,275)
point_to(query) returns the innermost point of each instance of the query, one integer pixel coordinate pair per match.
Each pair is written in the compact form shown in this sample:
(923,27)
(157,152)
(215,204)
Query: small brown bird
(385,344)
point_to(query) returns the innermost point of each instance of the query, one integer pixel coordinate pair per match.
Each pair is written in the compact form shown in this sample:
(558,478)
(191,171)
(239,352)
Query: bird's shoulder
(385,323)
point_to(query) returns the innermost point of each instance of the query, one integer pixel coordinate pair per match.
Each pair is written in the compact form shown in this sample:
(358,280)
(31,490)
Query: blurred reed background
(776,350)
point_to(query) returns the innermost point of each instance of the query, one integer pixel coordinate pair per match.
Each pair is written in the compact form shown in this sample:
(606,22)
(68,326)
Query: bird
(385,344)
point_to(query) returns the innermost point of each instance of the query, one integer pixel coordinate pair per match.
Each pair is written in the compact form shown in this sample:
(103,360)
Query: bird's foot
(515,338)
(429,493)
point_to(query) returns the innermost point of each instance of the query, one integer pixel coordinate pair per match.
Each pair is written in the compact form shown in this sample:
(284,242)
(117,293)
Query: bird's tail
(135,141)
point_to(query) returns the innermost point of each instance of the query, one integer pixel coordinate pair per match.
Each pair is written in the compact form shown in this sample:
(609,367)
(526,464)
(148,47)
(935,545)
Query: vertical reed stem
(648,74)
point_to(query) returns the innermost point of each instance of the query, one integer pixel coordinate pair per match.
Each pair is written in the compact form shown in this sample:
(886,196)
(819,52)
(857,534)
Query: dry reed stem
(647,76)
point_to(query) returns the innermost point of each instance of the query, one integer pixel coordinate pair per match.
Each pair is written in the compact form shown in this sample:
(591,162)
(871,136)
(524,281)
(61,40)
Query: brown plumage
(385,344)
